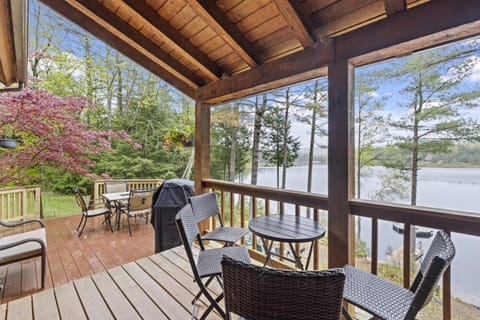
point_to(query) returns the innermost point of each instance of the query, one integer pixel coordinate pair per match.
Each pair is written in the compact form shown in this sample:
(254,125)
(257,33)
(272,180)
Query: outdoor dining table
(287,228)
(116,199)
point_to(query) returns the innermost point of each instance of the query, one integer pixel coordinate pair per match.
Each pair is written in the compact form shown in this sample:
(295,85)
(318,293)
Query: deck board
(45,305)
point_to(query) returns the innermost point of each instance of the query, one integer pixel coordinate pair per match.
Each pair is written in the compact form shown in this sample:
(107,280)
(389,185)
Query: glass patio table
(287,228)
(116,198)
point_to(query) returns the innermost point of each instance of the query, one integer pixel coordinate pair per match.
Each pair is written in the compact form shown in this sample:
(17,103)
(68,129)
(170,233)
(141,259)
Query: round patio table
(286,228)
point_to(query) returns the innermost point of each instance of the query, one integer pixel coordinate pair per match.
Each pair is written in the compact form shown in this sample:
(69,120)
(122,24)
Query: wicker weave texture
(261,293)
(389,301)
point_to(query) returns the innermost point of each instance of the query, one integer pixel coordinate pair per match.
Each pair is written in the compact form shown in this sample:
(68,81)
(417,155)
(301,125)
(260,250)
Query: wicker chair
(386,300)
(24,245)
(139,204)
(260,293)
(208,264)
(88,213)
(205,206)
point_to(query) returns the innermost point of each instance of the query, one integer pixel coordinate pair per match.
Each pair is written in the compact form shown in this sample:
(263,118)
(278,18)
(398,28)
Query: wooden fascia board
(175,38)
(426,25)
(297,21)
(219,22)
(7,50)
(304,65)
(394,6)
(97,30)
(168,63)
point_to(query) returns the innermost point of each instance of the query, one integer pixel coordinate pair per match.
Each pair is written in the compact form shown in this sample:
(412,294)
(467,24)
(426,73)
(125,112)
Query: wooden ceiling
(208,48)
(13,42)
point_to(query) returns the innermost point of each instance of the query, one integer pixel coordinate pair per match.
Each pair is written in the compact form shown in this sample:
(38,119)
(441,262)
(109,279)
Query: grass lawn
(55,205)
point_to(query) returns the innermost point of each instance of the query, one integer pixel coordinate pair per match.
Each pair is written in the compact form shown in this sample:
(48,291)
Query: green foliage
(55,205)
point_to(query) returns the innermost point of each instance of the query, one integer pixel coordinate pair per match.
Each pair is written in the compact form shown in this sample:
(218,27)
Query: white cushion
(25,250)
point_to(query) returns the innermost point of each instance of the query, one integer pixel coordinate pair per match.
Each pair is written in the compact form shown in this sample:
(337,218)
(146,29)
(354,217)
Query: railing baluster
(232,209)
(297,214)
(316,248)
(222,204)
(374,266)
(267,207)
(254,214)
(242,214)
(407,255)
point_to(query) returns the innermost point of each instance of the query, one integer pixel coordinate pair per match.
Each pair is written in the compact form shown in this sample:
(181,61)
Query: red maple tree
(50,132)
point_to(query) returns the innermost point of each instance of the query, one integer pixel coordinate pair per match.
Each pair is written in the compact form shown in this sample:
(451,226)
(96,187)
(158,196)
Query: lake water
(446,188)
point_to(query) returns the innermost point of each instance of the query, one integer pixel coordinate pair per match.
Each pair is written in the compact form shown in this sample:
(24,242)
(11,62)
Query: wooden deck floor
(101,275)
(70,257)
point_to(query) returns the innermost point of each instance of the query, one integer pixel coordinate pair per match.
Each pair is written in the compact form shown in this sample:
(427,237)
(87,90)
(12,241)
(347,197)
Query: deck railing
(20,203)
(99,188)
(239,202)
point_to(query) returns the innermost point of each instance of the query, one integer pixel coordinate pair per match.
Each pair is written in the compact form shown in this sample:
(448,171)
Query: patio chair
(207,267)
(260,293)
(386,300)
(205,206)
(89,213)
(139,204)
(24,245)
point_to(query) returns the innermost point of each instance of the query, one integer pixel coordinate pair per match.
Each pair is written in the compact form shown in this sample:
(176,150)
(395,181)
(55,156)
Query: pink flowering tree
(50,133)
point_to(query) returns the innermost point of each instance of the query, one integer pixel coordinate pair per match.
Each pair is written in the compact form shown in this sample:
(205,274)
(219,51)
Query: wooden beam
(394,6)
(119,43)
(422,31)
(341,168)
(419,23)
(20,36)
(305,65)
(175,38)
(219,22)
(298,22)
(202,150)
(166,61)
(7,50)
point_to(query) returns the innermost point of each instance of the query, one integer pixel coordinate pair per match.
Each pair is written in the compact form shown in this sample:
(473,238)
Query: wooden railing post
(202,150)
(341,239)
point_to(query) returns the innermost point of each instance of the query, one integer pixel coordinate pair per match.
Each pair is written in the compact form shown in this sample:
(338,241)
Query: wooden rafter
(417,32)
(175,38)
(216,19)
(298,21)
(119,43)
(394,6)
(127,30)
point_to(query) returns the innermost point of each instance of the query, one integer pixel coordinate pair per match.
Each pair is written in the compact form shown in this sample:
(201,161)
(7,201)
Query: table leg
(310,253)
(298,259)
(267,250)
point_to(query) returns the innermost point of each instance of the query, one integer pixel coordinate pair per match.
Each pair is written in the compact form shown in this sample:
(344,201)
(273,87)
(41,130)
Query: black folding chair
(208,264)
(205,206)
(386,300)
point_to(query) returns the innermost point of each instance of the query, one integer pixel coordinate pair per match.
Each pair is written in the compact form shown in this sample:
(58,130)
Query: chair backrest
(80,200)
(205,206)
(140,200)
(435,262)
(188,230)
(115,186)
(260,293)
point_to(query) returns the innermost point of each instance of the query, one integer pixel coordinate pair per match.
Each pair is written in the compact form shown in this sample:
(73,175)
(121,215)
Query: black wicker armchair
(208,264)
(386,300)
(205,206)
(259,293)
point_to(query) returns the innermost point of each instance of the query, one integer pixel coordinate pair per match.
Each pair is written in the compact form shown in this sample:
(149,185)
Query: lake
(446,188)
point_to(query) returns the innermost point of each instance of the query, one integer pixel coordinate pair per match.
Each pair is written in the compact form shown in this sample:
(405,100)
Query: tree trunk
(312,142)
(119,85)
(285,136)
(257,129)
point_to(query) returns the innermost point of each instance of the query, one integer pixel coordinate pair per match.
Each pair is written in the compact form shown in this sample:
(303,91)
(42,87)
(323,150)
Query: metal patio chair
(88,213)
(139,204)
(389,301)
(24,245)
(205,206)
(260,293)
(207,267)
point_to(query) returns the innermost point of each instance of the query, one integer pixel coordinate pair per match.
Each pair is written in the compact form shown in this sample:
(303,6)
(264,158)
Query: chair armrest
(19,242)
(19,223)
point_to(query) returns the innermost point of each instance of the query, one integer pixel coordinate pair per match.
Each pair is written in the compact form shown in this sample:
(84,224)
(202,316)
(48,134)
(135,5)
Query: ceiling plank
(123,27)
(175,38)
(298,22)
(452,20)
(116,42)
(394,6)
(304,65)
(219,22)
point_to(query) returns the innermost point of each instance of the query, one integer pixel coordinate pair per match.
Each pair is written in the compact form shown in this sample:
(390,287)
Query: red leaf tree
(50,132)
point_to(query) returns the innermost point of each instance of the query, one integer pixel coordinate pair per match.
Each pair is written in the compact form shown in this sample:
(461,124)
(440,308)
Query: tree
(51,134)
(260,110)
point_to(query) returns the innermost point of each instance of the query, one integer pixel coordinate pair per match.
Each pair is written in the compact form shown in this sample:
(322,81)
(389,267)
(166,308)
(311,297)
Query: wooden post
(341,239)
(202,150)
